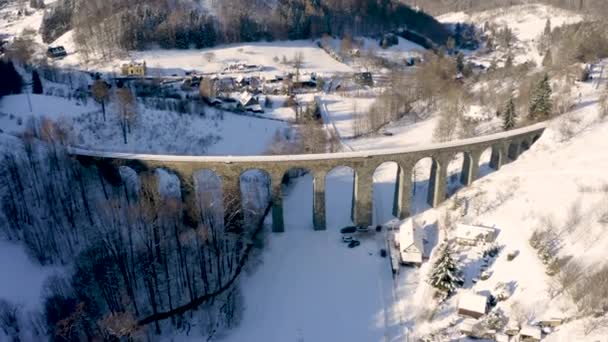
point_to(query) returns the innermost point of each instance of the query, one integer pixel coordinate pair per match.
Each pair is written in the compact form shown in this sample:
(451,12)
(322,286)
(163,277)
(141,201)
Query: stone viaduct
(505,147)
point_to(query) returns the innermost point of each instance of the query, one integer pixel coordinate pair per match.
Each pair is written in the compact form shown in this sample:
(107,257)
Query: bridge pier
(437,183)
(513,151)
(401,198)
(319,201)
(362,198)
(496,159)
(278,224)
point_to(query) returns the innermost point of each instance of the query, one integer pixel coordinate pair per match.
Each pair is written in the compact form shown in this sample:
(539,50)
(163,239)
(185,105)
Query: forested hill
(135,24)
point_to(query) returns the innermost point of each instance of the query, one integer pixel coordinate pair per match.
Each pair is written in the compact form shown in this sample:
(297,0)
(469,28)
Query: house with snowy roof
(410,242)
(471,235)
(472,305)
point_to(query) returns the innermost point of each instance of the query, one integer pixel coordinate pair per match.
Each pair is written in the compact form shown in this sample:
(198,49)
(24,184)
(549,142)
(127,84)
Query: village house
(56,52)
(471,235)
(364,79)
(247,101)
(411,243)
(472,305)
(134,69)
(530,334)
(472,328)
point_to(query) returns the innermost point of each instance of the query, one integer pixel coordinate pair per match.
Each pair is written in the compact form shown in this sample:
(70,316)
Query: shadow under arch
(386,192)
(339,193)
(297,187)
(425,182)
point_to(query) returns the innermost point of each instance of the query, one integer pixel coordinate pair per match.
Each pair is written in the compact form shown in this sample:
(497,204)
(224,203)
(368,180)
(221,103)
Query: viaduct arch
(505,147)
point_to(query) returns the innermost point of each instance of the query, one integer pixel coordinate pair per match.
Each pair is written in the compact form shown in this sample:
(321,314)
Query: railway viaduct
(505,147)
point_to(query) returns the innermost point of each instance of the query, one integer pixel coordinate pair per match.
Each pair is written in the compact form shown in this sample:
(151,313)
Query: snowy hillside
(526,21)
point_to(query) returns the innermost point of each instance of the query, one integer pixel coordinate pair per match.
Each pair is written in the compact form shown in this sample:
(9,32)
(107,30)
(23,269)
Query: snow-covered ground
(526,21)
(155,131)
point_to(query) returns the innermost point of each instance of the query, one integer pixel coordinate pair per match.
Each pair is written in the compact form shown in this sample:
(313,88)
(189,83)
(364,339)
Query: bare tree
(101,94)
(127,110)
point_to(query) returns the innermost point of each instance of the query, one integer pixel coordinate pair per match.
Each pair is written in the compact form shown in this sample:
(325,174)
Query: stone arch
(426,183)
(298,197)
(513,150)
(339,195)
(458,171)
(387,192)
(525,145)
(212,202)
(255,188)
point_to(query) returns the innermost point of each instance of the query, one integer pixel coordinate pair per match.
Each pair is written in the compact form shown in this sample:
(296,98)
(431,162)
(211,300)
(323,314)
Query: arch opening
(297,189)
(210,201)
(458,171)
(385,192)
(489,161)
(524,146)
(255,195)
(339,192)
(424,185)
(513,151)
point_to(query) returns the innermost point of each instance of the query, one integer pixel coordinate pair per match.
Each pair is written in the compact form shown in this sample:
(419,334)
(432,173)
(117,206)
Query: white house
(472,305)
(530,334)
(471,235)
(410,242)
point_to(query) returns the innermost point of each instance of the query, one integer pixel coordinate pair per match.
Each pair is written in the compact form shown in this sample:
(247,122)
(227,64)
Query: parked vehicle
(362,229)
(378,228)
(383,253)
(347,239)
(354,244)
(348,230)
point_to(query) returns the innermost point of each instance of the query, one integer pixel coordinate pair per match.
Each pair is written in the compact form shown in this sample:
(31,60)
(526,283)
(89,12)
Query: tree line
(104,26)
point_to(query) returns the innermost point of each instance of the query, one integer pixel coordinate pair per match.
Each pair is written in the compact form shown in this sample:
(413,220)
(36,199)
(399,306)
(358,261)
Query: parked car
(354,244)
(348,230)
(379,228)
(347,238)
(383,253)
(362,229)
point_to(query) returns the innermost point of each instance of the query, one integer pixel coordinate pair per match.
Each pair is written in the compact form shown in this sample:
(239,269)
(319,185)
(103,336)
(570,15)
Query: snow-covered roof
(469,232)
(245,97)
(531,331)
(410,234)
(473,302)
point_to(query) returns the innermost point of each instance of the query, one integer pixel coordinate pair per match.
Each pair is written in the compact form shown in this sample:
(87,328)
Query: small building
(56,52)
(410,241)
(364,79)
(134,69)
(530,334)
(471,327)
(512,328)
(472,305)
(246,99)
(471,235)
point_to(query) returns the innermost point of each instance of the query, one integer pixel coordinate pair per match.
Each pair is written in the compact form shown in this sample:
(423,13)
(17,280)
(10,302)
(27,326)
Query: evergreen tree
(36,83)
(541,105)
(445,276)
(460,62)
(509,61)
(548,59)
(509,115)
(547,31)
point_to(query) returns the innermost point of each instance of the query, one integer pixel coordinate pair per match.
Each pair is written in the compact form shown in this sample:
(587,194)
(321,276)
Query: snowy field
(215,133)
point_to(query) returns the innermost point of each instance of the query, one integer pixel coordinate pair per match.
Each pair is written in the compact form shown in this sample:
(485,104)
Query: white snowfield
(539,127)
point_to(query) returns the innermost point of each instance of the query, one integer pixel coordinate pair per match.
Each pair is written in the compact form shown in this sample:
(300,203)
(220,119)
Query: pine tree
(445,276)
(509,115)
(548,59)
(36,83)
(460,62)
(547,31)
(541,105)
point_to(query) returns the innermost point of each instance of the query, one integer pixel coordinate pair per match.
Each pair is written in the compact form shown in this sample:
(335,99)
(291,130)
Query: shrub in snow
(495,320)
(502,291)
(512,255)
(445,275)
